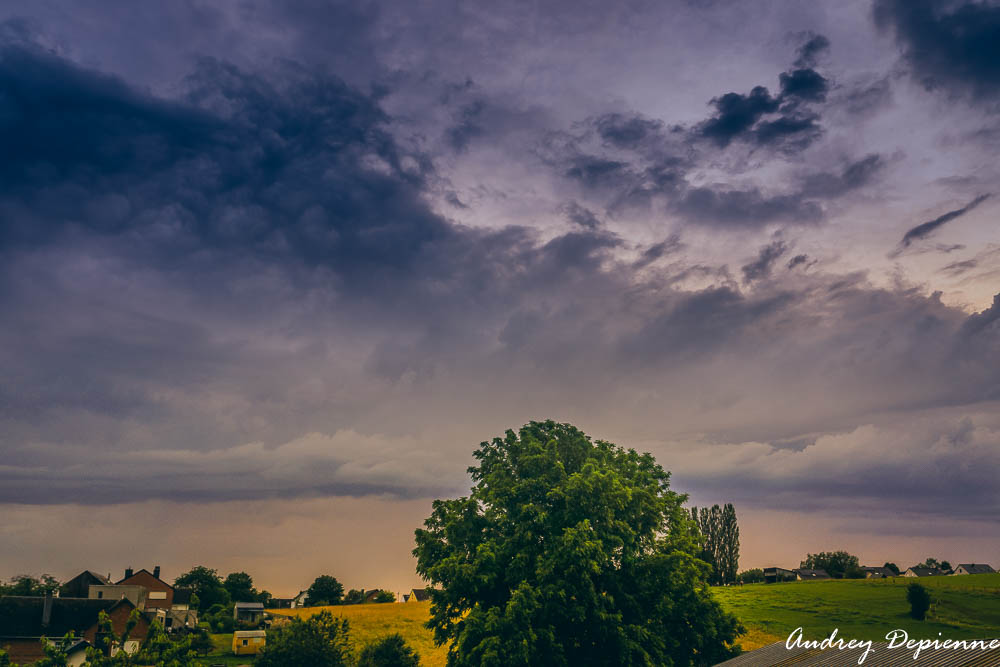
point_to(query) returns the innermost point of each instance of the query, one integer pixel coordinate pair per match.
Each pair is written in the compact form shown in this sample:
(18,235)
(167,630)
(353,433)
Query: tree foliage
(389,651)
(354,596)
(569,552)
(720,541)
(325,589)
(936,564)
(319,641)
(919,599)
(206,584)
(838,564)
(28,585)
(752,576)
(385,596)
(893,567)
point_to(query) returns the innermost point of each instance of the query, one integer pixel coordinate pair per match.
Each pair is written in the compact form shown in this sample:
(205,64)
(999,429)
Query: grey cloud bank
(328,268)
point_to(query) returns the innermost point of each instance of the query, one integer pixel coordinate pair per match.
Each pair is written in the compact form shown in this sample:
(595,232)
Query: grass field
(966,607)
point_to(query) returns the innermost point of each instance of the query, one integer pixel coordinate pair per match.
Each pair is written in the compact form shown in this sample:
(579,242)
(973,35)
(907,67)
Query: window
(157,595)
(100,594)
(245,642)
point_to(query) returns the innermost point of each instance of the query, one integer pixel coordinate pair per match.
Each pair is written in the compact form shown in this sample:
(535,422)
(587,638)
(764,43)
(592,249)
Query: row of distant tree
(839,565)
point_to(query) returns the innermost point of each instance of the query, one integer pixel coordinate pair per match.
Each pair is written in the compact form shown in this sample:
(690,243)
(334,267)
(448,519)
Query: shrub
(389,651)
(919,599)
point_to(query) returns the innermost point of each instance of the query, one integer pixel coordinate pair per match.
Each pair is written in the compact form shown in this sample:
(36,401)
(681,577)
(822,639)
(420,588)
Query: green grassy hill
(964,607)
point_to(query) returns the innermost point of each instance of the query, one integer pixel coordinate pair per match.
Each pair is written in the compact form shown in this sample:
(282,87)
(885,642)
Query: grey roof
(976,568)
(880,656)
(812,574)
(925,571)
(249,605)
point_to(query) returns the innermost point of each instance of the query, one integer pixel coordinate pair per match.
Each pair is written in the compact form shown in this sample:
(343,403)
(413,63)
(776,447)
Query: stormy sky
(270,271)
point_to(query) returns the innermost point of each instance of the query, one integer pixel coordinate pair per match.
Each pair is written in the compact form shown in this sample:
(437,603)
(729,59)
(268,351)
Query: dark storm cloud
(798,260)
(811,49)
(925,229)
(953,45)
(737,113)
(761,267)
(855,175)
(199,281)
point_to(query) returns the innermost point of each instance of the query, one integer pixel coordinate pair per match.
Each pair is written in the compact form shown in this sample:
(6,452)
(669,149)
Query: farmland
(371,621)
(964,607)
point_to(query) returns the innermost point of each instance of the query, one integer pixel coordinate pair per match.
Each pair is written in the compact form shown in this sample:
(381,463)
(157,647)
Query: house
(78,586)
(135,594)
(280,603)
(299,600)
(248,642)
(878,572)
(917,571)
(248,612)
(417,595)
(810,575)
(160,594)
(973,568)
(775,574)
(25,620)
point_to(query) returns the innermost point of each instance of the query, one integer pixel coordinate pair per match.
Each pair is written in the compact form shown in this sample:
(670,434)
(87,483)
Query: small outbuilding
(773,575)
(248,642)
(248,612)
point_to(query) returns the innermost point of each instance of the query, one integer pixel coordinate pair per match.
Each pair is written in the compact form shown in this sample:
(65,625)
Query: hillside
(964,608)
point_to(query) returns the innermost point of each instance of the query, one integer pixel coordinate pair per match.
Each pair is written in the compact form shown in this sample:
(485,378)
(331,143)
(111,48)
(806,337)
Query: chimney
(47,610)
(156,571)
(128,572)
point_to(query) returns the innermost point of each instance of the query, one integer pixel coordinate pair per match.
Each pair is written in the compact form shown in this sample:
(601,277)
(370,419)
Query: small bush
(389,651)
(919,599)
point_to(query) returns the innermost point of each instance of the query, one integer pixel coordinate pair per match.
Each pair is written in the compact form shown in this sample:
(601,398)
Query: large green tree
(206,584)
(325,590)
(239,585)
(569,552)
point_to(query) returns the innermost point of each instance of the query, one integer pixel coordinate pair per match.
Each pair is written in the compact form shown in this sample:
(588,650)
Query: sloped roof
(925,571)
(812,574)
(182,595)
(976,568)
(249,605)
(22,616)
(421,594)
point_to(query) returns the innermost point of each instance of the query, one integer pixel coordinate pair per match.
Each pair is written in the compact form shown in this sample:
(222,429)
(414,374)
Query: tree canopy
(838,564)
(720,541)
(569,552)
(319,641)
(206,584)
(325,589)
